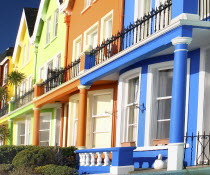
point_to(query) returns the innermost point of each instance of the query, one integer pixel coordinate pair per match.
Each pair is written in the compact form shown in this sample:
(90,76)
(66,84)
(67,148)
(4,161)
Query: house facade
(162,87)
(123,81)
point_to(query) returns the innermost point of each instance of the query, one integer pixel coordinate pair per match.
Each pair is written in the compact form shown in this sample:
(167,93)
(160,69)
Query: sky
(10,15)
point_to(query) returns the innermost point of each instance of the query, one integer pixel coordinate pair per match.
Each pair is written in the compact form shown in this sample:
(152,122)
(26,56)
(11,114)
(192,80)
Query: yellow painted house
(21,108)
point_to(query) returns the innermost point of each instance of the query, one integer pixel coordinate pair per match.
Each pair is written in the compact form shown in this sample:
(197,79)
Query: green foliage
(32,157)
(3,94)
(15,78)
(66,156)
(6,167)
(55,170)
(37,155)
(7,153)
(3,132)
(22,171)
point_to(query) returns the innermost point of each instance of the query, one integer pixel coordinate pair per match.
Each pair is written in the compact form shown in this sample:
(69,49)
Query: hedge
(63,156)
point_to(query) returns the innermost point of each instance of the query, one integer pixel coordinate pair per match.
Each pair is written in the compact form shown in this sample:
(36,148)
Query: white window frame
(150,96)
(5,73)
(27,133)
(49,115)
(75,54)
(24,55)
(122,97)
(57,120)
(75,121)
(92,94)
(88,33)
(87,3)
(55,27)
(48,30)
(104,20)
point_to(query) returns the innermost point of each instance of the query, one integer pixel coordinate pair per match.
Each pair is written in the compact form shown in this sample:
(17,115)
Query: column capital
(181,40)
(36,108)
(83,87)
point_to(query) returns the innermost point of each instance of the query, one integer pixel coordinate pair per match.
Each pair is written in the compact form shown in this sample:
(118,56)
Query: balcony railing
(22,100)
(152,22)
(57,77)
(4,111)
(204,10)
(199,144)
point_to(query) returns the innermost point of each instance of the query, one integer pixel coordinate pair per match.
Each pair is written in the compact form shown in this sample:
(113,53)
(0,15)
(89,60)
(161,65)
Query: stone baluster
(87,160)
(82,159)
(99,159)
(106,159)
(92,159)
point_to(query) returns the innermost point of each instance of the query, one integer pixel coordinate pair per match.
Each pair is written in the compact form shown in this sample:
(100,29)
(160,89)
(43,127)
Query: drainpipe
(67,21)
(122,14)
(35,62)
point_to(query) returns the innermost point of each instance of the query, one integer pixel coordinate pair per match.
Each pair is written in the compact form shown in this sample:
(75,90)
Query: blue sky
(10,14)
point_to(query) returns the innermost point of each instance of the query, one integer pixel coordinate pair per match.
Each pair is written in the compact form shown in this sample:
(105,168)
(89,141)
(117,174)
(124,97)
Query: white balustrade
(106,159)
(92,159)
(88,159)
(99,159)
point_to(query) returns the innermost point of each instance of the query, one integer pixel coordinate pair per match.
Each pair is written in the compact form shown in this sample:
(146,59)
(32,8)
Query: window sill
(152,148)
(85,9)
(54,38)
(46,45)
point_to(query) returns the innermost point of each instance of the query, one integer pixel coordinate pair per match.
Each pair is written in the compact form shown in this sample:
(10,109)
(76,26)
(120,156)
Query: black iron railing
(152,22)
(198,150)
(22,100)
(4,110)
(204,10)
(57,77)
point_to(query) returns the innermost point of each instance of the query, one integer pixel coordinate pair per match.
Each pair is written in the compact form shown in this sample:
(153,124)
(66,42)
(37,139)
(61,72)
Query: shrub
(32,157)
(6,167)
(22,171)
(66,156)
(63,156)
(7,153)
(55,170)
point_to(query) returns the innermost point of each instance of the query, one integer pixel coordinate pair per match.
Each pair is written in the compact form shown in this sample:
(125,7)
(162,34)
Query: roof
(31,14)
(6,53)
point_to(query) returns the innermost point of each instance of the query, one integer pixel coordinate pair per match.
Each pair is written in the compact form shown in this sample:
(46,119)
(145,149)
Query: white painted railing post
(99,159)
(92,159)
(82,159)
(87,160)
(106,159)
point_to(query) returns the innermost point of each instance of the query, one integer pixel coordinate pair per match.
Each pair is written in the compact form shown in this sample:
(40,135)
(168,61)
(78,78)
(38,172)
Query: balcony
(22,100)
(204,10)
(57,77)
(141,29)
(4,111)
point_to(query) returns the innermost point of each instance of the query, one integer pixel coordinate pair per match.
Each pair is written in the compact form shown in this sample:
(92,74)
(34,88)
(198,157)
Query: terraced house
(6,67)
(123,81)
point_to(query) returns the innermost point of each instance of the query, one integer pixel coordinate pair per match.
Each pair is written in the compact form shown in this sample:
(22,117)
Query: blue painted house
(162,62)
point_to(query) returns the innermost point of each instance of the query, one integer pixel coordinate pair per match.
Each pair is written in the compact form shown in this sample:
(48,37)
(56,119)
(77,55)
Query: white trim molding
(181,40)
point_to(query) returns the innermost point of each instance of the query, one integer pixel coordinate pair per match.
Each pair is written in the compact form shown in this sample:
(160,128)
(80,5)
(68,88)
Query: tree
(3,94)
(3,133)
(15,78)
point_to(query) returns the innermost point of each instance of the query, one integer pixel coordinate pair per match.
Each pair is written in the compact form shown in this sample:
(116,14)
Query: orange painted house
(88,113)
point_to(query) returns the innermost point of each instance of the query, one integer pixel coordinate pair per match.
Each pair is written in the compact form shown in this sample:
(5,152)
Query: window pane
(102,124)
(102,104)
(164,109)
(132,133)
(44,135)
(45,125)
(163,130)
(165,82)
(133,90)
(22,140)
(101,140)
